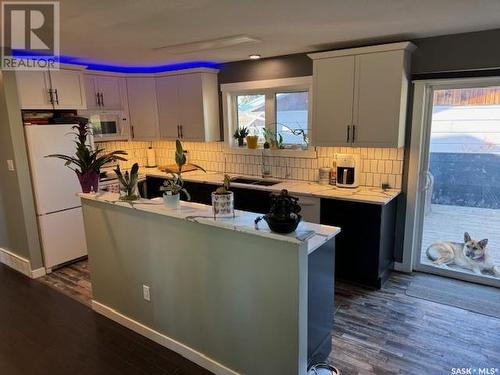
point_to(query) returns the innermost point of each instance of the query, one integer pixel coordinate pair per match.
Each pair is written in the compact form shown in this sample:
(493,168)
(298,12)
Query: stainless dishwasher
(310,208)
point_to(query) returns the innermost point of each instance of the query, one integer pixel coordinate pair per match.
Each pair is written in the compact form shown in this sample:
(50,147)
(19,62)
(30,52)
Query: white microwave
(108,125)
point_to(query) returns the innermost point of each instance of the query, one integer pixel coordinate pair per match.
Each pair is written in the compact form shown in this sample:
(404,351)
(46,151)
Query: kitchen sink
(254,181)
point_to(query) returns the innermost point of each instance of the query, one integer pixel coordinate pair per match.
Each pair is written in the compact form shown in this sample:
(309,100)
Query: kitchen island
(228,296)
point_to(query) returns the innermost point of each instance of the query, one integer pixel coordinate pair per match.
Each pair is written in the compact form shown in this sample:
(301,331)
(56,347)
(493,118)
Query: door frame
(419,158)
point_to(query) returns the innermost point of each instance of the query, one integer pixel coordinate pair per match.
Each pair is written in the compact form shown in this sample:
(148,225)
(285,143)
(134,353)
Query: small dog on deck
(471,255)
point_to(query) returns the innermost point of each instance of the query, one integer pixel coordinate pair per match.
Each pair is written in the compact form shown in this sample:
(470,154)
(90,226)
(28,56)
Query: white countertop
(314,235)
(361,194)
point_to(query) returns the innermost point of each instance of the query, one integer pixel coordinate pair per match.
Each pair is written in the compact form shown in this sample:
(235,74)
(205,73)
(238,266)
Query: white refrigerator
(55,188)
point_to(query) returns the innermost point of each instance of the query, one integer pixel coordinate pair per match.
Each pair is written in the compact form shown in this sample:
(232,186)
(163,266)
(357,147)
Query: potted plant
(129,190)
(173,186)
(240,134)
(272,140)
(171,191)
(87,162)
(283,217)
(223,199)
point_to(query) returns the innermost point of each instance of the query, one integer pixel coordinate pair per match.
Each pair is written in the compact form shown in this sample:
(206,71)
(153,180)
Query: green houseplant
(272,139)
(173,186)
(87,162)
(129,190)
(240,134)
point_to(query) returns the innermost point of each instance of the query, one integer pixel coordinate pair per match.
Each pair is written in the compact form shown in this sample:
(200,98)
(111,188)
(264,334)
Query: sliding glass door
(458,226)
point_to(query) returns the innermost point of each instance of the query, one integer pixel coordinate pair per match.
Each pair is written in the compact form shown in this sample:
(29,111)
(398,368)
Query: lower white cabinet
(143,109)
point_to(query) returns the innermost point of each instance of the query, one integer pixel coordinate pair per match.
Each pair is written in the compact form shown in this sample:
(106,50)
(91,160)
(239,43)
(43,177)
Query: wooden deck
(448,223)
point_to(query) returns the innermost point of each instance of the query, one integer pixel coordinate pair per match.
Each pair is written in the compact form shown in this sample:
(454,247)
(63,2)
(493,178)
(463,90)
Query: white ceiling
(128,32)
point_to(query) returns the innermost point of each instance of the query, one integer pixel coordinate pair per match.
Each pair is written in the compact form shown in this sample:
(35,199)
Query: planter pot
(89,181)
(129,193)
(252,141)
(240,142)
(172,201)
(223,204)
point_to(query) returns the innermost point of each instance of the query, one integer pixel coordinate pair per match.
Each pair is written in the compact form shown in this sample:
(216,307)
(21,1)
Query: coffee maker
(348,170)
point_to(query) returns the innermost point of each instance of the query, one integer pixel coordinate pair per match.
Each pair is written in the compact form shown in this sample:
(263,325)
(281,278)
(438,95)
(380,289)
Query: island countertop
(312,234)
(199,285)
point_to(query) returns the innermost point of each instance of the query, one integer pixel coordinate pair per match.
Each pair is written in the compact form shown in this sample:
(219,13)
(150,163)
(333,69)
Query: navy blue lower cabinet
(365,245)
(244,199)
(321,308)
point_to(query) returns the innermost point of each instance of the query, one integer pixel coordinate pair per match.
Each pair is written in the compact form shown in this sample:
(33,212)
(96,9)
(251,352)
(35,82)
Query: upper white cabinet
(33,90)
(360,96)
(141,93)
(68,89)
(105,92)
(167,95)
(55,89)
(188,106)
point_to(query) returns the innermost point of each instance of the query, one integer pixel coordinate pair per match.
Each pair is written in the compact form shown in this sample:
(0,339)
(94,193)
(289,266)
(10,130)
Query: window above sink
(281,106)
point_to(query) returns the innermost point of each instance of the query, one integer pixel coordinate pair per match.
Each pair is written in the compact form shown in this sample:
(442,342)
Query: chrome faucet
(265,172)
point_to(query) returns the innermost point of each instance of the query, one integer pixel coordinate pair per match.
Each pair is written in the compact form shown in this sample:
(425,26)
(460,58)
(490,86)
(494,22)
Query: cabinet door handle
(353,133)
(348,133)
(182,135)
(178,131)
(132,131)
(57,96)
(102,99)
(51,96)
(98,99)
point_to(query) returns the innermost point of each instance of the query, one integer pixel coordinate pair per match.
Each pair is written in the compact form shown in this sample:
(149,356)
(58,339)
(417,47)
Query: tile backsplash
(378,165)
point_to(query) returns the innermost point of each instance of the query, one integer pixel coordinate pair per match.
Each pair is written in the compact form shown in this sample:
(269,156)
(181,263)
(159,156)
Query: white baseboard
(20,264)
(39,272)
(15,262)
(169,343)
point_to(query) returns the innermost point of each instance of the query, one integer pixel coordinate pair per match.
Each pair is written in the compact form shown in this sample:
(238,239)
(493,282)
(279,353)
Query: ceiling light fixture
(204,45)
(254,57)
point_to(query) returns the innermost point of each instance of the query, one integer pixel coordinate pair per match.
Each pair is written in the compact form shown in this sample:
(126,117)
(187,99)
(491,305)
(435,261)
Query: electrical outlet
(10,165)
(146,293)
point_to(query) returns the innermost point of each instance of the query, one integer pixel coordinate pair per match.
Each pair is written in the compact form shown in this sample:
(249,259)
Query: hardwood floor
(72,280)
(389,332)
(43,332)
(381,331)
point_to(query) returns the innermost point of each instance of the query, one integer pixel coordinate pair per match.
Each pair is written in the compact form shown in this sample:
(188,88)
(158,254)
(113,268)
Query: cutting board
(185,168)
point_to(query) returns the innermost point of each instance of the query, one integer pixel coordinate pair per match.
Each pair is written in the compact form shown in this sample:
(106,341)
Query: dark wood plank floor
(72,280)
(44,332)
(389,332)
(380,332)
